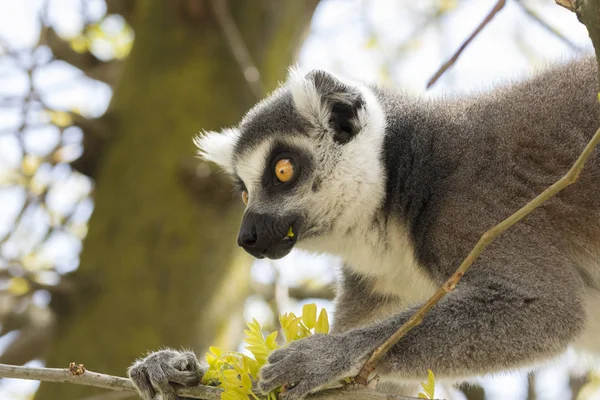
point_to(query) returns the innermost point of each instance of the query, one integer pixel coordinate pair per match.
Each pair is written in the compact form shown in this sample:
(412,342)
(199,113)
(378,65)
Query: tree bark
(158,255)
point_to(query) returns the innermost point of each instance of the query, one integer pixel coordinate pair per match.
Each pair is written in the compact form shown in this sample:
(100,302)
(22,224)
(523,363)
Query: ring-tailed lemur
(401,189)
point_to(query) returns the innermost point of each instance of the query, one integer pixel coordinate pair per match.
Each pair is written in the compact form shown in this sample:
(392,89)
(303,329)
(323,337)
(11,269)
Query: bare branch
(62,51)
(122,7)
(588,13)
(107,72)
(238,48)
(95,379)
(29,345)
(488,237)
(534,15)
(96,135)
(297,292)
(499,5)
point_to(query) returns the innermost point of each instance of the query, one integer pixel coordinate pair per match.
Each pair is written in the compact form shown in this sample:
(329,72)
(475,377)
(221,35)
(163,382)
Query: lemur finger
(184,378)
(300,391)
(279,355)
(138,375)
(283,373)
(187,361)
(158,378)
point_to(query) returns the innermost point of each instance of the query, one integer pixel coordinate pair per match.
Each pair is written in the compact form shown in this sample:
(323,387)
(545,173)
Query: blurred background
(115,239)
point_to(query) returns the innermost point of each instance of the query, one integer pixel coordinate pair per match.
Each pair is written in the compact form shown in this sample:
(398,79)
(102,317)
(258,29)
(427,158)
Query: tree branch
(552,30)
(96,136)
(463,46)
(122,7)
(588,13)
(238,48)
(267,292)
(95,379)
(94,68)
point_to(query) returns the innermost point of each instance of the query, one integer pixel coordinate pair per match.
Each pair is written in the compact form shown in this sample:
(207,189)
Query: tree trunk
(160,251)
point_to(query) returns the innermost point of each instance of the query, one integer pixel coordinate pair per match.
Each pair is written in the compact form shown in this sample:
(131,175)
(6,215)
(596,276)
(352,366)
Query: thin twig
(488,237)
(499,5)
(95,379)
(238,48)
(534,15)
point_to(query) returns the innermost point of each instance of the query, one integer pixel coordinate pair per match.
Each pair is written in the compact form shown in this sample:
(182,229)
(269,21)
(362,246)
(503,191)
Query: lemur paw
(309,364)
(162,371)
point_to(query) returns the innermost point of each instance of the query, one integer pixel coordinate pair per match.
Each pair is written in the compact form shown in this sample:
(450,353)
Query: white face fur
(340,192)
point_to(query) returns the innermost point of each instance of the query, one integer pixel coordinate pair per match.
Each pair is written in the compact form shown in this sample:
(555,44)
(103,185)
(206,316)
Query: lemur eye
(245,197)
(284,170)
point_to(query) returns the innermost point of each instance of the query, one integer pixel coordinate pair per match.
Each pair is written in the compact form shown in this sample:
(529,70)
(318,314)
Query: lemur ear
(327,102)
(218,147)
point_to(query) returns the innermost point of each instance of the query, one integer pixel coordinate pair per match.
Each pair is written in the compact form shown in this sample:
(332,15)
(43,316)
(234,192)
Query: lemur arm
(496,319)
(479,329)
(357,305)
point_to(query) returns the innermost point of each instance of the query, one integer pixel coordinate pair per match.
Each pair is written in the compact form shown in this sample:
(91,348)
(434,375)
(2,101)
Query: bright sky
(341,41)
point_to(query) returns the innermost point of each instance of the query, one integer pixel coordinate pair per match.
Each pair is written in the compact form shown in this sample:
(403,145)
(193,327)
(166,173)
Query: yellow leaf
(371,42)
(256,343)
(30,164)
(292,327)
(60,118)
(246,382)
(37,186)
(251,366)
(11,177)
(447,5)
(322,325)
(18,286)
(309,315)
(79,44)
(428,387)
(78,230)
(94,30)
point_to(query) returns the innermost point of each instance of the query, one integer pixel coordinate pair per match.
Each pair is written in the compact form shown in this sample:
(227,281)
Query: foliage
(109,38)
(428,386)
(235,372)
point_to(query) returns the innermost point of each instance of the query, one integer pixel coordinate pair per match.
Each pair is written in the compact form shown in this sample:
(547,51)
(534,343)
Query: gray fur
(401,189)
(158,373)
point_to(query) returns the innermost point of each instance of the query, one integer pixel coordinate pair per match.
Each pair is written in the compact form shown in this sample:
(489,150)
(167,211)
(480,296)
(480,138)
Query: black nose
(247,238)
(264,235)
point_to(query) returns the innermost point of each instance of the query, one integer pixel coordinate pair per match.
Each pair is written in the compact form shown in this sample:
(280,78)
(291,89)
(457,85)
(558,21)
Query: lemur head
(307,162)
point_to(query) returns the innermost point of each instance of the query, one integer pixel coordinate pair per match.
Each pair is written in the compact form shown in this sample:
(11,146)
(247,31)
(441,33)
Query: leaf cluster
(236,372)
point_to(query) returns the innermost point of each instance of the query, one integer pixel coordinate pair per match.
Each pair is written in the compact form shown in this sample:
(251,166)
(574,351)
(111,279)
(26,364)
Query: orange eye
(245,197)
(284,170)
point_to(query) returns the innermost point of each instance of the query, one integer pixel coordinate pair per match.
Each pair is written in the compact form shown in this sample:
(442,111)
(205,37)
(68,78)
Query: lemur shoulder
(401,189)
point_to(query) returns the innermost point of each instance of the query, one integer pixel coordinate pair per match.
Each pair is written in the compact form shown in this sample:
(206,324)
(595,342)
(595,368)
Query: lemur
(401,189)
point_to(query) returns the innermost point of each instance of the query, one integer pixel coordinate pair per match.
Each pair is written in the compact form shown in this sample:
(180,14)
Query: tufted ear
(218,147)
(327,102)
